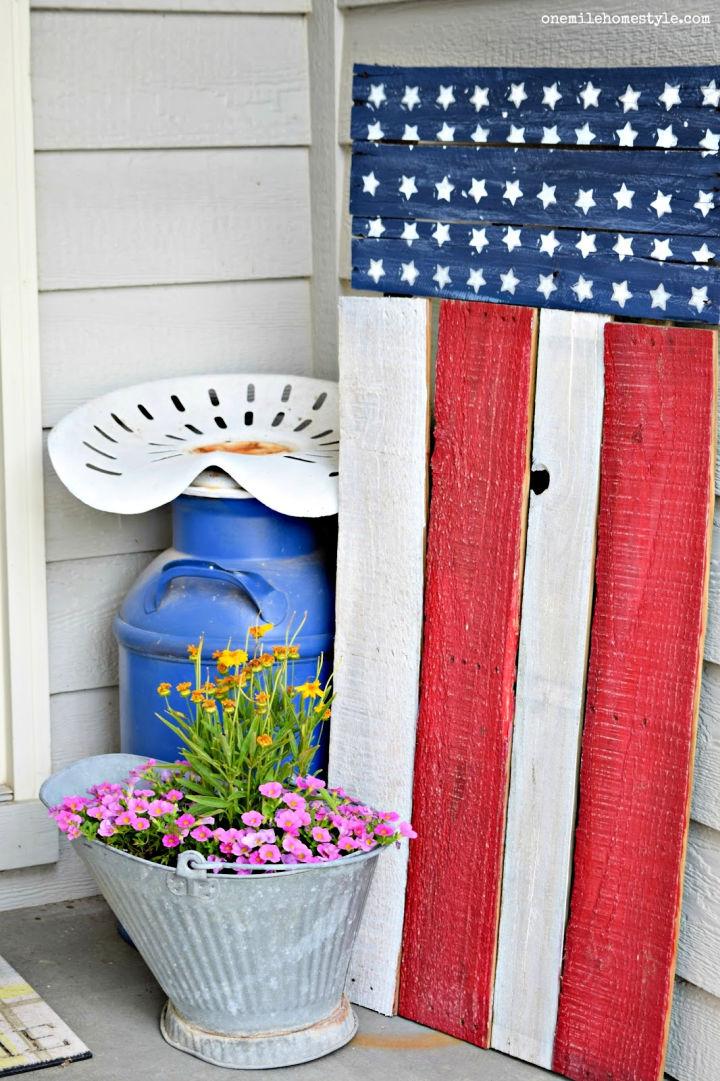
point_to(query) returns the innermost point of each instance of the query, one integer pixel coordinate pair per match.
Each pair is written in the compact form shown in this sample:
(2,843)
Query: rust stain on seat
(244,446)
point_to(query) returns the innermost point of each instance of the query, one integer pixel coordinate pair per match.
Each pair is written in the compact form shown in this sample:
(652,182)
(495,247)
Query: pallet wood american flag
(589,190)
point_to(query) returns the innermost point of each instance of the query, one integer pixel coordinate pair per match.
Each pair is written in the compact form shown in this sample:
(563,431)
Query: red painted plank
(641,708)
(480,469)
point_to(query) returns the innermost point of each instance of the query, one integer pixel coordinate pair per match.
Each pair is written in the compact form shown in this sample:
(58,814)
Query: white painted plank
(147,218)
(75,531)
(83,598)
(62,881)
(84,723)
(552,660)
(712,635)
(698,958)
(383,477)
(28,837)
(706,781)
(206,7)
(124,80)
(694,1044)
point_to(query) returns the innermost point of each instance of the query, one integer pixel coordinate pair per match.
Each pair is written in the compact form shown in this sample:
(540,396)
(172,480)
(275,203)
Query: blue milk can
(234,563)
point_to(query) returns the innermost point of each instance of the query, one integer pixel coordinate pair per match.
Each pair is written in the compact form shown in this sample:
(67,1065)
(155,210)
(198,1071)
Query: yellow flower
(208,687)
(228,703)
(262,698)
(184,689)
(209,704)
(267,660)
(259,630)
(255,665)
(310,689)
(326,715)
(164,689)
(216,654)
(293,652)
(193,652)
(231,658)
(281,653)
(196,696)
(264,740)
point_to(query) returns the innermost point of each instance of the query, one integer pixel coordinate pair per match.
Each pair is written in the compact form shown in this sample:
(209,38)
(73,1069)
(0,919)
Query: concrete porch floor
(73,957)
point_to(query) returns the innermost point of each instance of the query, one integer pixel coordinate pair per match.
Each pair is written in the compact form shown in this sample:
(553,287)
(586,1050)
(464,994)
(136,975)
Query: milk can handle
(272,605)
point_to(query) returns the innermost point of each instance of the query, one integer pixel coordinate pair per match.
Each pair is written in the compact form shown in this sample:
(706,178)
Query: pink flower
(329,852)
(320,834)
(171,840)
(253,818)
(384,830)
(266,837)
(139,806)
(294,802)
(186,821)
(269,853)
(140,823)
(125,818)
(289,842)
(106,828)
(98,812)
(314,783)
(271,789)
(201,833)
(160,807)
(347,844)
(72,833)
(389,816)
(302,853)
(286,820)
(406,830)
(174,795)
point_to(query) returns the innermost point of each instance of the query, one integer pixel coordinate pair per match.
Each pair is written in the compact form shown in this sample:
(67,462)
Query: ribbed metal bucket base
(265,1049)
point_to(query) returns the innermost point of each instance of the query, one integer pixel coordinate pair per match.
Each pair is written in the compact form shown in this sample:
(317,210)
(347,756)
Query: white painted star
(512,191)
(661,250)
(585,200)
(546,195)
(479,240)
(548,243)
(516,135)
(476,279)
(410,134)
(517,94)
(583,289)
(670,96)
(661,204)
(550,135)
(409,232)
(375,131)
(590,95)
(408,187)
(659,297)
(623,246)
(444,189)
(480,99)
(480,134)
(375,227)
(629,99)
(623,196)
(666,138)
(477,190)
(620,294)
(699,298)
(411,97)
(546,285)
(377,94)
(511,238)
(705,202)
(586,244)
(375,270)
(410,272)
(445,97)
(703,254)
(446,133)
(711,94)
(584,136)
(710,142)
(627,135)
(551,95)
(442,276)
(370,183)
(509,282)
(441,234)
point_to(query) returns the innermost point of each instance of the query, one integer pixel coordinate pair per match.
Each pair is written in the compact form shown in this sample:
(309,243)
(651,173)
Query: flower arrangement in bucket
(240,876)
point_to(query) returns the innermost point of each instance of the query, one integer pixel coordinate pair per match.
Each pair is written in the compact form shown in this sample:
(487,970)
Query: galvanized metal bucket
(254,966)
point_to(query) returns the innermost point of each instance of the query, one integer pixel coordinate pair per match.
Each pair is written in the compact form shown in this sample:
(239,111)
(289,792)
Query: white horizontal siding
(694,1045)
(706,782)
(108,81)
(203,7)
(699,950)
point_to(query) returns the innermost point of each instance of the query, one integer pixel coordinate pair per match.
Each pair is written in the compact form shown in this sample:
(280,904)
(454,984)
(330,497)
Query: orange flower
(267,660)
(255,665)
(184,689)
(209,704)
(262,698)
(281,652)
(259,630)
(164,689)
(293,652)
(228,704)
(196,696)
(193,652)
(264,740)
(208,687)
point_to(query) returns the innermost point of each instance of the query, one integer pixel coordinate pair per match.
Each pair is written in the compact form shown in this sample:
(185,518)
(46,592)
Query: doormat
(32,1036)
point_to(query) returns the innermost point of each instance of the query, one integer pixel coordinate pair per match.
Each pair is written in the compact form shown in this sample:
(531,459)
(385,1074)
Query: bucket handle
(272,605)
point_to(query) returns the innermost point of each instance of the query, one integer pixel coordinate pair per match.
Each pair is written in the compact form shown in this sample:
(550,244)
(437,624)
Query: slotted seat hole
(177,403)
(146,412)
(287,391)
(336,474)
(99,469)
(104,434)
(251,392)
(97,450)
(332,443)
(319,400)
(321,435)
(120,423)
(294,458)
(212,395)
(302,425)
(248,418)
(220,422)
(278,419)
(177,438)
(192,428)
(539,479)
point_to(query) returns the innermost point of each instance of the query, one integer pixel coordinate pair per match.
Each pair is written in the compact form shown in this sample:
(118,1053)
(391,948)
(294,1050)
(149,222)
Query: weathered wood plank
(550,692)
(712,638)
(83,598)
(93,341)
(694,1044)
(103,81)
(475,554)
(205,7)
(698,959)
(642,698)
(143,218)
(706,778)
(384,354)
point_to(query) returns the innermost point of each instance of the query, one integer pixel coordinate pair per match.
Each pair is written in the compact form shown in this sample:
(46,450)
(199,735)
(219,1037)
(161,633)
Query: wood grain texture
(642,697)
(28,838)
(83,597)
(146,218)
(384,351)
(698,959)
(94,341)
(104,81)
(712,638)
(480,470)
(550,692)
(706,778)
(694,1044)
